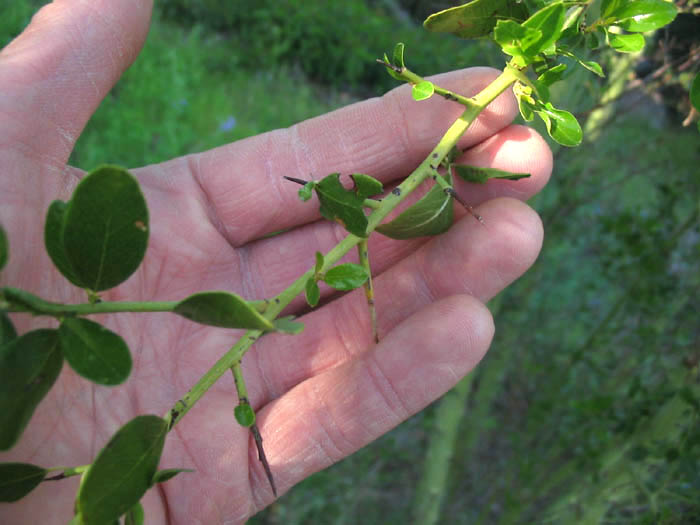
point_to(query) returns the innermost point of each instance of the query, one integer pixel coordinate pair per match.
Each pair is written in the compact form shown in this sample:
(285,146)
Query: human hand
(320,395)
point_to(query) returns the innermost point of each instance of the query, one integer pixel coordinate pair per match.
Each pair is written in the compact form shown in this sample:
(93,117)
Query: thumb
(54,75)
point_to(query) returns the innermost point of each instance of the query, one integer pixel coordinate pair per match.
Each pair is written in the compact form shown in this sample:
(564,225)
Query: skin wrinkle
(398,411)
(328,446)
(404,142)
(274,184)
(208,207)
(299,149)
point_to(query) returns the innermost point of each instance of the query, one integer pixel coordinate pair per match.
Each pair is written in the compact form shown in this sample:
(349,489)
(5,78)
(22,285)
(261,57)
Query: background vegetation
(586,408)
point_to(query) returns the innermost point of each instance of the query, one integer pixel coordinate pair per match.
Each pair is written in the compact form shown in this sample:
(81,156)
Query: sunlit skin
(320,395)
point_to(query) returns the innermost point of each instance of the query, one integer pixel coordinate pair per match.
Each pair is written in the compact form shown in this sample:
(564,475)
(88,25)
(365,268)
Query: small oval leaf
(319,262)
(312,292)
(123,470)
(244,415)
(423,90)
(94,352)
(398,55)
(431,215)
(29,366)
(4,248)
(287,325)
(626,43)
(105,231)
(222,309)
(19,479)
(562,126)
(53,240)
(169,473)
(482,175)
(346,276)
(346,206)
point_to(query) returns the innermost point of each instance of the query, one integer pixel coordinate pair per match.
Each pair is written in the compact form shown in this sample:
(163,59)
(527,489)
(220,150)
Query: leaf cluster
(542,36)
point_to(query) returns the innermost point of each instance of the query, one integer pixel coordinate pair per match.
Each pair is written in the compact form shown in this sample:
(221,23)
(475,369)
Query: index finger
(384,137)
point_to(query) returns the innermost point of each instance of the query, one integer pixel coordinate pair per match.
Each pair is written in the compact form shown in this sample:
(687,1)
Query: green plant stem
(363,255)
(413,79)
(242,392)
(67,472)
(426,169)
(14,300)
(432,489)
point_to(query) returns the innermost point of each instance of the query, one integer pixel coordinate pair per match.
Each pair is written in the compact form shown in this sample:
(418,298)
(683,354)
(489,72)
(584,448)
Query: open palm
(320,395)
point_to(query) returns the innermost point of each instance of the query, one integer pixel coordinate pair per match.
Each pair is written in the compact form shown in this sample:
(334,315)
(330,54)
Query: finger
(284,257)
(516,149)
(334,413)
(473,258)
(59,69)
(385,137)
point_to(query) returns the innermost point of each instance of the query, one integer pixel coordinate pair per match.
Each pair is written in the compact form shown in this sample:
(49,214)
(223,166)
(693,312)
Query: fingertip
(520,227)
(515,149)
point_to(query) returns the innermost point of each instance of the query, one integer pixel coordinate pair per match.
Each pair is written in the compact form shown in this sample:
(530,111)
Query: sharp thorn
(298,181)
(261,457)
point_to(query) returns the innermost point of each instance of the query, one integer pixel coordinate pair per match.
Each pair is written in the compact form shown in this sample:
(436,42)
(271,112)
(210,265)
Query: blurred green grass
(591,344)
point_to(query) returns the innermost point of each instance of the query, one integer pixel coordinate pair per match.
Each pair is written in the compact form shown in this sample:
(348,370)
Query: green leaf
(287,325)
(607,7)
(346,206)
(306,191)
(169,473)
(527,110)
(474,19)
(398,55)
(222,309)
(366,186)
(526,103)
(550,22)
(105,228)
(94,352)
(19,479)
(29,366)
(552,75)
(592,66)
(123,470)
(319,262)
(391,72)
(346,276)
(562,126)
(626,43)
(135,516)
(312,292)
(695,92)
(7,329)
(4,249)
(423,90)
(513,38)
(431,215)
(244,415)
(53,240)
(640,16)
(482,175)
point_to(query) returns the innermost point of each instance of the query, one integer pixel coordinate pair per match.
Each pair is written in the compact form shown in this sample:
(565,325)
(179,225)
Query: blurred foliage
(586,407)
(334,43)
